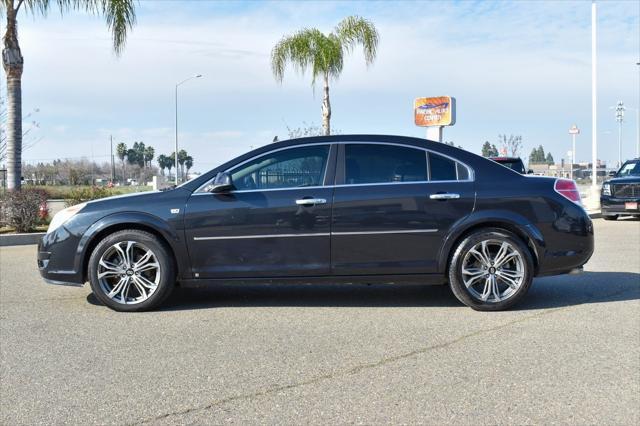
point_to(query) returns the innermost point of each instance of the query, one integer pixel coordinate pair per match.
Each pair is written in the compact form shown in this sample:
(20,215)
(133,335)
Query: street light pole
(176,99)
(620,118)
(573,131)
(637,132)
(113,167)
(594,195)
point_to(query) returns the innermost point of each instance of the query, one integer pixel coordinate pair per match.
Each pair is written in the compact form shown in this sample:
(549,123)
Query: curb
(595,215)
(20,239)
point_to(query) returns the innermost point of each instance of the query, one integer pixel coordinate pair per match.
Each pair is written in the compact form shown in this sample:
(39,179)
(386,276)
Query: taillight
(568,189)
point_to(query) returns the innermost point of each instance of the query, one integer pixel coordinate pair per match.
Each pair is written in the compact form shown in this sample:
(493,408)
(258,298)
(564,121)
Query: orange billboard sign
(438,111)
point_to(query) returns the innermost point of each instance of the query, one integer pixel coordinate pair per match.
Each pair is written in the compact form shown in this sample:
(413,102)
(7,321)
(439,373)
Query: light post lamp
(573,131)
(620,118)
(176,153)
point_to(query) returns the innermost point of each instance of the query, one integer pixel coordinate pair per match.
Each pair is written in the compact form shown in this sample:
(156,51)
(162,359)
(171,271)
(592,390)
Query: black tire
(456,280)
(610,217)
(166,270)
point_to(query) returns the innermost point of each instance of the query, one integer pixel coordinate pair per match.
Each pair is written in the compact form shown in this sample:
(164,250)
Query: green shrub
(21,209)
(82,194)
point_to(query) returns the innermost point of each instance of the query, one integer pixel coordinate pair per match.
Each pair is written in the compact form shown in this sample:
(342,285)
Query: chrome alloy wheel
(493,271)
(128,272)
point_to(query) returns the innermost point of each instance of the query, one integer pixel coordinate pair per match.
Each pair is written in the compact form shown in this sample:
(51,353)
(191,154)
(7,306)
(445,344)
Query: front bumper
(57,259)
(617,206)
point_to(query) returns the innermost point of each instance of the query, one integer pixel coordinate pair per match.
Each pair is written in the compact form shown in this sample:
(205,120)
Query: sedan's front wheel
(491,270)
(131,270)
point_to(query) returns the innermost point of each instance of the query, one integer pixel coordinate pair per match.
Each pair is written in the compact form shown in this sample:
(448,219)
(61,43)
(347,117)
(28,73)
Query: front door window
(289,168)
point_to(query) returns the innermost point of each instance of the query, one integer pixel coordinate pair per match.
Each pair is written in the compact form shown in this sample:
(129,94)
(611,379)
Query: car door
(276,222)
(392,207)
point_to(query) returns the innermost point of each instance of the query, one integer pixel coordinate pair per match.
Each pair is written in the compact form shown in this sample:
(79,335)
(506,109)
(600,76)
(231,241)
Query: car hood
(141,201)
(626,179)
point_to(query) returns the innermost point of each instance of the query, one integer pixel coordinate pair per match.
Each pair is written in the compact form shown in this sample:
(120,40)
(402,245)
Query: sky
(521,67)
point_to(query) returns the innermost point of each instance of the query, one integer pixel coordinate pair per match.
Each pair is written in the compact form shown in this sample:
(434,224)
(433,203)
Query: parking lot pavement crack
(367,366)
(350,371)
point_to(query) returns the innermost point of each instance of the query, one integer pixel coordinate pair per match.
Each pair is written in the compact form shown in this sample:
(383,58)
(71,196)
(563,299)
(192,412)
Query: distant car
(620,196)
(337,209)
(514,163)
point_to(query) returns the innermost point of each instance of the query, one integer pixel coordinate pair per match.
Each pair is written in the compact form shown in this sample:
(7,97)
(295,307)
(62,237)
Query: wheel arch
(526,231)
(119,222)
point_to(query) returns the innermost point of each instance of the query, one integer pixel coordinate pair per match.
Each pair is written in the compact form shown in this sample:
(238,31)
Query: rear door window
(379,163)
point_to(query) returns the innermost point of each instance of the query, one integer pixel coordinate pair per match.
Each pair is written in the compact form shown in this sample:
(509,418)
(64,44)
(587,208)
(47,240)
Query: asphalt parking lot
(327,354)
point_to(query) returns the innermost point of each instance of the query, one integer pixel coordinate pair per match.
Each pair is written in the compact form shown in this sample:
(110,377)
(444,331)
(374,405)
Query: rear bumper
(569,244)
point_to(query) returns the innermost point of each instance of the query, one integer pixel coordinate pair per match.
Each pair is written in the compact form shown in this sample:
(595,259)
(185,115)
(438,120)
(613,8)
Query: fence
(282,178)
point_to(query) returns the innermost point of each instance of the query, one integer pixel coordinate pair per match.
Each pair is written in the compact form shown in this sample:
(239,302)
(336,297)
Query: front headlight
(606,189)
(64,215)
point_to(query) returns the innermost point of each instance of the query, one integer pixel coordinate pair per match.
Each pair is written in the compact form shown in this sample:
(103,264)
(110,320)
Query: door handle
(310,201)
(445,196)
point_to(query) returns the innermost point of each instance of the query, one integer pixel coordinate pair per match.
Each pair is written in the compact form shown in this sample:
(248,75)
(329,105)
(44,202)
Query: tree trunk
(326,108)
(12,62)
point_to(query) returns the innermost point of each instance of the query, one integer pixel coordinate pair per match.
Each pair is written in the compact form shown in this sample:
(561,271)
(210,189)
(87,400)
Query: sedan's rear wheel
(610,217)
(131,270)
(491,270)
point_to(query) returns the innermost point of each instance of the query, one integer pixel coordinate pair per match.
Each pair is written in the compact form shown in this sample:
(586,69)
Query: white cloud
(521,67)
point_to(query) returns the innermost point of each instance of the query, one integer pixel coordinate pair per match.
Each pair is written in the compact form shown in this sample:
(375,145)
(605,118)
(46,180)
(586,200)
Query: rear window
(442,168)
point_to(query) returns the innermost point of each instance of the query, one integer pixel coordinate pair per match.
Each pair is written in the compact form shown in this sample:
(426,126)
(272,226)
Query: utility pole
(620,119)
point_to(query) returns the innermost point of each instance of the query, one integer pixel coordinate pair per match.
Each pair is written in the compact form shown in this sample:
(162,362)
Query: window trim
(337,157)
(330,158)
(342,166)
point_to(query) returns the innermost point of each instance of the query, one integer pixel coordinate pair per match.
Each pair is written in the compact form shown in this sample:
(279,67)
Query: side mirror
(221,183)
(612,174)
(530,172)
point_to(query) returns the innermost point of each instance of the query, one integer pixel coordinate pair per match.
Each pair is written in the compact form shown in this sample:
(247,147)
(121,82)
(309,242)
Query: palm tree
(170,163)
(132,158)
(182,157)
(162,163)
(139,149)
(120,16)
(121,151)
(149,153)
(324,54)
(188,162)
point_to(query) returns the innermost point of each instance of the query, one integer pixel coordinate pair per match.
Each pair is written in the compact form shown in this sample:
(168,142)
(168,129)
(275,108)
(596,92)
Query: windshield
(516,165)
(632,168)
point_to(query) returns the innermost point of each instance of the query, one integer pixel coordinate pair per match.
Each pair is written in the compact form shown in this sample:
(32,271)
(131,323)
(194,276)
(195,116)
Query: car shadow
(546,293)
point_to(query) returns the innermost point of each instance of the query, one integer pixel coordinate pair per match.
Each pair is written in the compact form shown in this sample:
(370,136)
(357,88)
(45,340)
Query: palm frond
(36,7)
(329,58)
(354,30)
(308,48)
(120,15)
